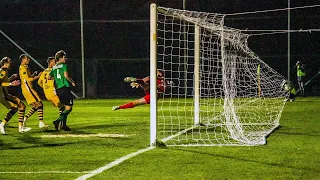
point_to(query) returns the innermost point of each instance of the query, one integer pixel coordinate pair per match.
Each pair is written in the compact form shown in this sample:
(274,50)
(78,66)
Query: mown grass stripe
(114,163)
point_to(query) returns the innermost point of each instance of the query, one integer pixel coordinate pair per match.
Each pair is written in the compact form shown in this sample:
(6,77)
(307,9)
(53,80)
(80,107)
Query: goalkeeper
(289,87)
(144,84)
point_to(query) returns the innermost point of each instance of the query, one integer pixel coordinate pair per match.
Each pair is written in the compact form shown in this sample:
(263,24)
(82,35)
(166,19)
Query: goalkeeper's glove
(130,79)
(134,85)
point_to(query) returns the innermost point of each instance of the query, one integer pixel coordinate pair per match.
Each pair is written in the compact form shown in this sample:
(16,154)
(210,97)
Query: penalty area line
(85,135)
(114,163)
(46,172)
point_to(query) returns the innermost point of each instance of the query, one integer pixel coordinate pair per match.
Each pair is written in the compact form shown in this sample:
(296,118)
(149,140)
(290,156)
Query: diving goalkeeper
(144,84)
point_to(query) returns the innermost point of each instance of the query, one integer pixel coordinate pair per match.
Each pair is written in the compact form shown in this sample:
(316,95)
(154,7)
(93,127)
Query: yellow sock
(4,122)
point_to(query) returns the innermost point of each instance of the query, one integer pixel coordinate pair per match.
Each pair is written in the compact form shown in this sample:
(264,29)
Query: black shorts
(301,78)
(65,96)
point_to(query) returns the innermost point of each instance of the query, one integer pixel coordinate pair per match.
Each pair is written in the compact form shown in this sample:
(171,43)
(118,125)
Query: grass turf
(292,151)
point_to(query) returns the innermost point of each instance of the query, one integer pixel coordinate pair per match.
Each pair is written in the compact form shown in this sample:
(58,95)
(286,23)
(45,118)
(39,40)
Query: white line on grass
(114,163)
(46,172)
(84,135)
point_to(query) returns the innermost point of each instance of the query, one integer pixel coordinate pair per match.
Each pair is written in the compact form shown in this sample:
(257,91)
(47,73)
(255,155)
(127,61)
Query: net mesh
(241,98)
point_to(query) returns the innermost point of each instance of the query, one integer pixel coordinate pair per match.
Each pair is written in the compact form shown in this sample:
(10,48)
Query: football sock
(10,114)
(63,116)
(3,123)
(20,116)
(61,109)
(128,105)
(40,113)
(30,112)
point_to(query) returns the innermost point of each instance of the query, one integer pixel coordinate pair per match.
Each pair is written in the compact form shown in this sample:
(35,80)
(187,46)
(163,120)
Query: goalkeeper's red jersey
(161,85)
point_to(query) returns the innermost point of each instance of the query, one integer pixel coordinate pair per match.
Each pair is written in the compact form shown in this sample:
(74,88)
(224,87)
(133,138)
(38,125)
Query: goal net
(221,92)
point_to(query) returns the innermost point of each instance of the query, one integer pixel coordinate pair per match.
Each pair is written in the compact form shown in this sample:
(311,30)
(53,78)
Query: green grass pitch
(291,152)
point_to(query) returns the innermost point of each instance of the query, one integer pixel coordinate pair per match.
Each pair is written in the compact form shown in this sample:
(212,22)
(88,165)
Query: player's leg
(13,104)
(65,113)
(12,111)
(31,100)
(30,113)
(39,106)
(62,120)
(137,102)
(300,87)
(21,111)
(56,102)
(66,99)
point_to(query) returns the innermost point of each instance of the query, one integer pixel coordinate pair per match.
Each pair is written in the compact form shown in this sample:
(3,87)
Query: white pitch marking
(46,172)
(84,135)
(114,163)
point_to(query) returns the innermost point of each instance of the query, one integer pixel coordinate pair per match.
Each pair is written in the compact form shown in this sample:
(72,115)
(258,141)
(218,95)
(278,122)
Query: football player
(28,92)
(48,85)
(12,103)
(144,84)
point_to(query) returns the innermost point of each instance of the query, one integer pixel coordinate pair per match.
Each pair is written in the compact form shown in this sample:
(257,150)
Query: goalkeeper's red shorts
(147,98)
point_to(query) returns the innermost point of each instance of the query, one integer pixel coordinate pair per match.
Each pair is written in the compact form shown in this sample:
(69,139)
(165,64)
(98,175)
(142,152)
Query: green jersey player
(62,81)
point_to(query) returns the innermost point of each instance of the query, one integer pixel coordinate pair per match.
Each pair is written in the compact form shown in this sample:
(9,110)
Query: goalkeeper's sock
(128,105)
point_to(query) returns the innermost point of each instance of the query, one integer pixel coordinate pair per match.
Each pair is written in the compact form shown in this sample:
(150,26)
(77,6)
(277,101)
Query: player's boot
(42,125)
(2,131)
(23,129)
(65,128)
(130,79)
(115,108)
(56,124)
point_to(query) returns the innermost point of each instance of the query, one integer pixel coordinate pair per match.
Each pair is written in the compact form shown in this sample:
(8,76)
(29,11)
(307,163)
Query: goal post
(153,74)
(222,93)
(196,75)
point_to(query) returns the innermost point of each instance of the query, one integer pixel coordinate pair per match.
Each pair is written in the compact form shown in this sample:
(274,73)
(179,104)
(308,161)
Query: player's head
(5,62)
(160,73)
(24,59)
(51,62)
(61,56)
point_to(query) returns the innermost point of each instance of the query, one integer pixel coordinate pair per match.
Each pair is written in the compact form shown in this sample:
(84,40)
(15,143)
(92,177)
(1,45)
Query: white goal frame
(224,33)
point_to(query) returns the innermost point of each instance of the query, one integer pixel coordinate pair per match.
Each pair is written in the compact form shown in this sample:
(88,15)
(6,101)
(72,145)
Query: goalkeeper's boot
(2,131)
(130,79)
(42,125)
(23,129)
(115,108)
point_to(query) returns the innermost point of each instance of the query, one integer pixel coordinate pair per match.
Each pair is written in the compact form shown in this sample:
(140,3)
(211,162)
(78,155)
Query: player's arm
(146,79)
(5,83)
(66,75)
(24,74)
(41,80)
(51,75)
(13,83)
(13,77)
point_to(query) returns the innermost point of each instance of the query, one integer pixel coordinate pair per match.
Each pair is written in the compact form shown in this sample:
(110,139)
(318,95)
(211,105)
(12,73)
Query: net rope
(241,98)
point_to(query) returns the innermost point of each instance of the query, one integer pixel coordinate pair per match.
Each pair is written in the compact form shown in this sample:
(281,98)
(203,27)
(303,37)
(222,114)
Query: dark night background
(116,48)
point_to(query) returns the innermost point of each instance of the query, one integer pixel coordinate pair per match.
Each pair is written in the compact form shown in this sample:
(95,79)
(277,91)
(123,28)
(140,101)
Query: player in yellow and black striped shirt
(28,92)
(12,103)
(48,85)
